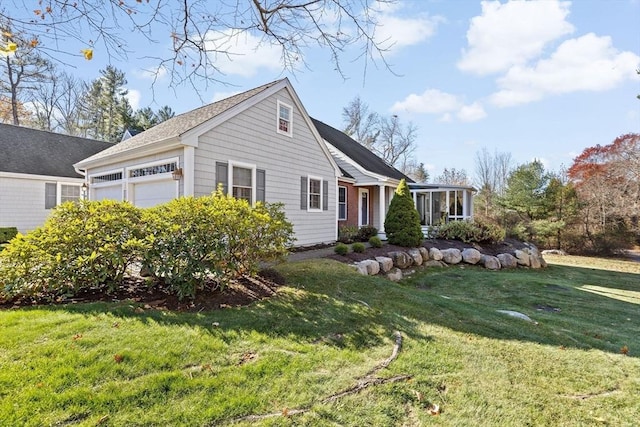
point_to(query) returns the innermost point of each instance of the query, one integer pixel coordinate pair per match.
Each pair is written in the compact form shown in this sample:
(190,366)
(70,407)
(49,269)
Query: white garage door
(113,192)
(147,194)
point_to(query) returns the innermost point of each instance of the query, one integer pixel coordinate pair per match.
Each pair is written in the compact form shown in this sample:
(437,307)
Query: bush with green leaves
(366,232)
(475,231)
(375,242)
(402,223)
(341,249)
(7,233)
(84,245)
(217,237)
(348,233)
(358,247)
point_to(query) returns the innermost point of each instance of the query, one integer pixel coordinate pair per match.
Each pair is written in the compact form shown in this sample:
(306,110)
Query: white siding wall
(251,137)
(22,200)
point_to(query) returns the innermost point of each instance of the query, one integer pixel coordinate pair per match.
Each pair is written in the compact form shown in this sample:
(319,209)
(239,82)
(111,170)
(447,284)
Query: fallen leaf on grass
(433,409)
(77,337)
(118,358)
(624,350)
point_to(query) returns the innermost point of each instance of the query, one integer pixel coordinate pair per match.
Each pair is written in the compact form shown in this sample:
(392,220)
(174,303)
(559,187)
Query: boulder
(400,259)
(490,262)
(416,256)
(537,261)
(361,268)
(451,256)
(435,254)
(471,256)
(394,275)
(434,263)
(554,252)
(372,266)
(386,263)
(424,252)
(522,258)
(507,261)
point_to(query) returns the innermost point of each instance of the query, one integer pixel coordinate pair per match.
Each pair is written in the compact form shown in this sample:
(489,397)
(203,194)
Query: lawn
(328,331)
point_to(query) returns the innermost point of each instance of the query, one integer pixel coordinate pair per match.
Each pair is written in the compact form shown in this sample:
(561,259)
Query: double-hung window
(285,119)
(241,180)
(315,194)
(68,193)
(242,183)
(342,203)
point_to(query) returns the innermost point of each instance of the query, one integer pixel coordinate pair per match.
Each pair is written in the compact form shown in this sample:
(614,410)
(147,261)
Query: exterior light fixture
(177,174)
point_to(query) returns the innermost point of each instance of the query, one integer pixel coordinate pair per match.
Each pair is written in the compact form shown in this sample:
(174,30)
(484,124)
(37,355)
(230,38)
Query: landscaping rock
(400,259)
(424,252)
(490,262)
(361,268)
(471,256)
(394,275)
(522,258)
(435,254)
(372,266)
(507,261)
(451,256)
(434,263)
(386,263)
(416,256)
(537,261)
(517,315)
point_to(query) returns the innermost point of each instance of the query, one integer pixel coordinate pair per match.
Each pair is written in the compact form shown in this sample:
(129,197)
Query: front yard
(460,362)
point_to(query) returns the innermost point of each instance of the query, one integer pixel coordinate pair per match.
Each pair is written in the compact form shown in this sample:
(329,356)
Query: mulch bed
(242,292)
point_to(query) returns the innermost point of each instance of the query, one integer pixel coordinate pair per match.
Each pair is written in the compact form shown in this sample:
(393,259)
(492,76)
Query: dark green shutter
(325,195)
(222,176)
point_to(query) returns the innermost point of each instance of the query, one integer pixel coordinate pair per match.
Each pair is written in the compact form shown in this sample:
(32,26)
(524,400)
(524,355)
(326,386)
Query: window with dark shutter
(222,176)
(303,192)
(50,195)
(261,183)
(325,195)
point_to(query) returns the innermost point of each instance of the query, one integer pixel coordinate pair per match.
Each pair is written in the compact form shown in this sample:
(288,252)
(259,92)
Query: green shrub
(218,237)
(402,224)
(375,242)
(7,233)
(471,231)
(358,247)
(366,232)
(341,249)
(348,233)
(84,245)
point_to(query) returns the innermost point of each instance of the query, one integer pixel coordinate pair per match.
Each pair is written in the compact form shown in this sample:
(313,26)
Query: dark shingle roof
(357,152)
(36,152)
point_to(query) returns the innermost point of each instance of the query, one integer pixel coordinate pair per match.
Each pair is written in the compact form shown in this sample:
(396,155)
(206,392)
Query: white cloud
(242,54)
(395,32)
(431,101)
(134,96)
(508,34)
(587,63)
(472,113)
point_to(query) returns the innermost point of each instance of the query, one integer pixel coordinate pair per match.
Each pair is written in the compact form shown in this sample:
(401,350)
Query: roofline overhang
(133,153)
(361,169)
(18,175)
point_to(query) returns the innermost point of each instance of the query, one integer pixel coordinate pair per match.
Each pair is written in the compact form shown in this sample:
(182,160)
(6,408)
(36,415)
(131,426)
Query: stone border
(394,266)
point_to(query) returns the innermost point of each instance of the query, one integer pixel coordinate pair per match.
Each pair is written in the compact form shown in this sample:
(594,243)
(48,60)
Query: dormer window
(285,118)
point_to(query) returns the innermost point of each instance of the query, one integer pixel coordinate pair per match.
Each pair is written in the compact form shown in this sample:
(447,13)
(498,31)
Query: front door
(363,207)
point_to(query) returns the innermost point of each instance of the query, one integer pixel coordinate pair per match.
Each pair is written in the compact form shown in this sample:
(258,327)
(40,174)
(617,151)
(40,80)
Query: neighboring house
(36,173)
(367,184)
(259,145)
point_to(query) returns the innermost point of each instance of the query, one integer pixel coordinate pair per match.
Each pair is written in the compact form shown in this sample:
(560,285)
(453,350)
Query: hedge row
(92,244)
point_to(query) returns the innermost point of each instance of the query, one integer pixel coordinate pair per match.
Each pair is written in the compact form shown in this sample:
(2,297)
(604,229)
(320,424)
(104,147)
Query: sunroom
(438,204)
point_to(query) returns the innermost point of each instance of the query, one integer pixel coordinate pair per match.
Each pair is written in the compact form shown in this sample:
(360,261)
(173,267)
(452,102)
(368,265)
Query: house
(437,203)
(36,173)
(260,145)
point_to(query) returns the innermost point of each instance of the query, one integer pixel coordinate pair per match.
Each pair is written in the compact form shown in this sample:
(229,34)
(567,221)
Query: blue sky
(541,79)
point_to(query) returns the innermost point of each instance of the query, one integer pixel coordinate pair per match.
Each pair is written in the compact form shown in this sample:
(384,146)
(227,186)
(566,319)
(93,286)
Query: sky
(536,79)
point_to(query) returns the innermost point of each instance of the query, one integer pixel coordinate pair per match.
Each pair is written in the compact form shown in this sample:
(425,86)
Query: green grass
(116,365)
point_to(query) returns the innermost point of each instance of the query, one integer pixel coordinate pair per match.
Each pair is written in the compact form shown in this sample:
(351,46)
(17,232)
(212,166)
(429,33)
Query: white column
(382,208)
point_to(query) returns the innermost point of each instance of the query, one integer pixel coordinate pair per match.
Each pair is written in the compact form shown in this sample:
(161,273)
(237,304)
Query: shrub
(341,249)
(475,231)
(81,245)
(366,232)
(218,237)
(402,224)
(7,233)
(375,242)
(348,233)
(358,247)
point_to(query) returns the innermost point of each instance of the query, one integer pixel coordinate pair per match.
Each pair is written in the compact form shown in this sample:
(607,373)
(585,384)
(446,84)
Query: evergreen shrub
(402,224)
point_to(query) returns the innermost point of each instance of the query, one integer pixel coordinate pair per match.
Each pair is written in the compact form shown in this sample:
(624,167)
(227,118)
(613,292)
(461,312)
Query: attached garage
(111,192)
(147,194)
